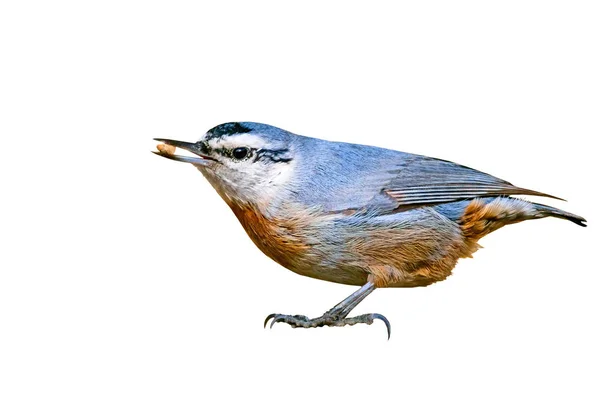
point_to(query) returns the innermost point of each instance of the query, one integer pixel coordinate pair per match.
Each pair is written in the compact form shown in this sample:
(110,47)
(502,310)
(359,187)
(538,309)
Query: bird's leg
(336,316)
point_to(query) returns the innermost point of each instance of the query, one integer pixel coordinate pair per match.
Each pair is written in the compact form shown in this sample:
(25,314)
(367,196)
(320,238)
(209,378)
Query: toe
(385,321)
(268,318)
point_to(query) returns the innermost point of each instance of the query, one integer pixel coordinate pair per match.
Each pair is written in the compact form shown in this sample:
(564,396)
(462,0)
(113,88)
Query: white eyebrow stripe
(240,140)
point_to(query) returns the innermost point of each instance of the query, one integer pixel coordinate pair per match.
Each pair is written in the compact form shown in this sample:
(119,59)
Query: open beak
(194,148)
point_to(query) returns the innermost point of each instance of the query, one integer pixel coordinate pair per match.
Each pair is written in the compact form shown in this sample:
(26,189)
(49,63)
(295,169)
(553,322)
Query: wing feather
(421,180)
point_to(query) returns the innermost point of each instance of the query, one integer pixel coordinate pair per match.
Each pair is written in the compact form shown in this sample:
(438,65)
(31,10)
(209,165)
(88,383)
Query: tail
(483,216)
(547,211)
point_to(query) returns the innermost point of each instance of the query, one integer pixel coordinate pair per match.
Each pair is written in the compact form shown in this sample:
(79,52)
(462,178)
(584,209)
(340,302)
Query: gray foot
(327,319)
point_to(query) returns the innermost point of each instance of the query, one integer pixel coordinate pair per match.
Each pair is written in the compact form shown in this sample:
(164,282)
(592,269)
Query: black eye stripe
(226,151)
(264,155)
(204,148)
(273,156)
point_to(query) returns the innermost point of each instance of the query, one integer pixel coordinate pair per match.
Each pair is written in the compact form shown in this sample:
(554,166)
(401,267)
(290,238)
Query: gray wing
(421,180)
(341,176)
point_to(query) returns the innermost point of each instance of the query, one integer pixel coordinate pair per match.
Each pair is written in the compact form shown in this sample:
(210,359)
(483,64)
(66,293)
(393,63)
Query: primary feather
(423,180)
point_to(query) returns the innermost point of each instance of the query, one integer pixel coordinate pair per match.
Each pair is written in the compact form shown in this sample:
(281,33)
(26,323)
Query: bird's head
(245,162)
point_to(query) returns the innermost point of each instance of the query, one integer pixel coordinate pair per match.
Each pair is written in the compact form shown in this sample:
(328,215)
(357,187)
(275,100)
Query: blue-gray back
(340,176)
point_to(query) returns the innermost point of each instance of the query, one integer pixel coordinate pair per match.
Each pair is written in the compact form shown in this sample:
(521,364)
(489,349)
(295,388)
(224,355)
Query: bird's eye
(239,153)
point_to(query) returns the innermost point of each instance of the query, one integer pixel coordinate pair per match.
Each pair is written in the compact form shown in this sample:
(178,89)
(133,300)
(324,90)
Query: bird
(353,214)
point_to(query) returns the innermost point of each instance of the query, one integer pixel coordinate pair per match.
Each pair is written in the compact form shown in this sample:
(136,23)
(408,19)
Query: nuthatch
(354,214)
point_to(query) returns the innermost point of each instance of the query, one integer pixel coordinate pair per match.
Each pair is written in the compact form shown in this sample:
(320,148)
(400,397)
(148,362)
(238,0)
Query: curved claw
(268,318)
(385,321)
(275,320)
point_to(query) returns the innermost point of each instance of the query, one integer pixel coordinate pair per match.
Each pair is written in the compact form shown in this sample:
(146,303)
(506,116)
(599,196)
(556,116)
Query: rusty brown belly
(417,253)
(294,244)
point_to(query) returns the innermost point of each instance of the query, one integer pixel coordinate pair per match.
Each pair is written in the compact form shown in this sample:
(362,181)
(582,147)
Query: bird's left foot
(327,319)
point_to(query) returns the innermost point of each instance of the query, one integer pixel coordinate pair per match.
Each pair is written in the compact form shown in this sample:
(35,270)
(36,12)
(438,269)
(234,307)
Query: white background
(124,275)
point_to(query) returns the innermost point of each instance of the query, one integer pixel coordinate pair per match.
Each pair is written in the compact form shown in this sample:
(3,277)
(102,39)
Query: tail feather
(483,216)
(547,211)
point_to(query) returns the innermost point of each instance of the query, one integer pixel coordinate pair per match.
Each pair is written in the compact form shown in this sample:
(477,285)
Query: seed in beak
(166,148)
